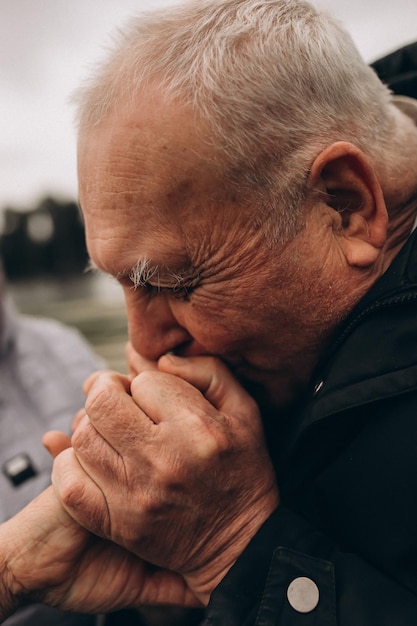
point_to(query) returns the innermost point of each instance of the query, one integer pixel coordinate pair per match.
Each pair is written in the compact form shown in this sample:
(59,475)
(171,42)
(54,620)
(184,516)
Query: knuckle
(210,449)
(72,493)
(145,380)
(80,437)
(141,380)
(84,502)
(71,488)
(102,395)
(213,443)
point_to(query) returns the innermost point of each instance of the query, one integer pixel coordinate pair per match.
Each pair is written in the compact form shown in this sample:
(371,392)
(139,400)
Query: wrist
(209,575)
(9,592)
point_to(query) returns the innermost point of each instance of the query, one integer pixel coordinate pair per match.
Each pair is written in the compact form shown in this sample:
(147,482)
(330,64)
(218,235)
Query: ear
(353,192)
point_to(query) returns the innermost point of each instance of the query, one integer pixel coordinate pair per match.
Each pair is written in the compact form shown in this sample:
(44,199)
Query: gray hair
(275,81)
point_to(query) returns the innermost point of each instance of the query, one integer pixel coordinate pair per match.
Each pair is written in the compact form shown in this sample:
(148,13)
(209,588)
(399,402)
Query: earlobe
(353,192)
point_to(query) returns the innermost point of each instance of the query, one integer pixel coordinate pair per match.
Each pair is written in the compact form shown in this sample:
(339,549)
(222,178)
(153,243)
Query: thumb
(215,381)
(136,362)
(55,442)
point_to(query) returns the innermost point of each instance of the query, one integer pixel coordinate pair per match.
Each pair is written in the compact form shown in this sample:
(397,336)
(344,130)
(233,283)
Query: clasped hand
(170,465)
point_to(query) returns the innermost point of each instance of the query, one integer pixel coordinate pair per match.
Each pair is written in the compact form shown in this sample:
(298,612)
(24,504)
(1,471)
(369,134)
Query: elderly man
(253,186)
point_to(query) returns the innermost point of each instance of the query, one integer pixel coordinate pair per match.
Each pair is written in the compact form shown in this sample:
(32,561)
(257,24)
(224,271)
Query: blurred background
(46,48)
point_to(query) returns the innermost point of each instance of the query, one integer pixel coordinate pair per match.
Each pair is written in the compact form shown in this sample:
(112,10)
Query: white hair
(275,81)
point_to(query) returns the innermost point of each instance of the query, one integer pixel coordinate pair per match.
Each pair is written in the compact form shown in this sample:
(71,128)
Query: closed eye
(181,291)
(156,280)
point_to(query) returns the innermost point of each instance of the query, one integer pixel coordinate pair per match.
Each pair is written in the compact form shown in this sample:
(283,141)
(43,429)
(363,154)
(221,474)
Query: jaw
(273,389)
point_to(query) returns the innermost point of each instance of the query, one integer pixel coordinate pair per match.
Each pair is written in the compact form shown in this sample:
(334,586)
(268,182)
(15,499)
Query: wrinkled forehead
(153,151)
(147,172)
(144,191)
(152,131)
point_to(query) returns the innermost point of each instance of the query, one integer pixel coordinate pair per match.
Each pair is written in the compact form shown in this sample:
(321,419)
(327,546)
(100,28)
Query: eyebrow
(141,273)
(144,271)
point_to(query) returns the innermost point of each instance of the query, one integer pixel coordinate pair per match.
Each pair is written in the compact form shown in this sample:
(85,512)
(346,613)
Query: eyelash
(182,292)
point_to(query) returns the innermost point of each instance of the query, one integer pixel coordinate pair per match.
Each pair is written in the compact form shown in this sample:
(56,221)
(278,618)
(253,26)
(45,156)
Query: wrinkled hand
(171,466)
(55,441)
(46,557)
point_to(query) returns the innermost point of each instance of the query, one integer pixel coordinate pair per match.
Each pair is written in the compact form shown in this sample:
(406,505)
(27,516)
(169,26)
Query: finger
(213,378)
(137,363)
(55,442)
(89,382)
(113,413)
(164,397)
(79,495)
(77,419)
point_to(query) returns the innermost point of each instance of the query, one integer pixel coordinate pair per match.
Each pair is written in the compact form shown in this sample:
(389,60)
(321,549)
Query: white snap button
(303,594)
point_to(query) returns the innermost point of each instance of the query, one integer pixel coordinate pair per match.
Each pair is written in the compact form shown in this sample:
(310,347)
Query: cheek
(218,328)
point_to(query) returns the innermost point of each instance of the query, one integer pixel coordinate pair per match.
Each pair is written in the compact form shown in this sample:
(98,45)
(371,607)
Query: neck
(401,223)
(399,176)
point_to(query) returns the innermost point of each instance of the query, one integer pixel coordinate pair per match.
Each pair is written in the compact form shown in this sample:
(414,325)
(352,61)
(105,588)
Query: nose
(153,329)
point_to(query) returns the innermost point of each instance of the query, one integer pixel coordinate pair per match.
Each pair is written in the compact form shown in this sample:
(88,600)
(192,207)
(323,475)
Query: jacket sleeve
(292,575)
(344,547)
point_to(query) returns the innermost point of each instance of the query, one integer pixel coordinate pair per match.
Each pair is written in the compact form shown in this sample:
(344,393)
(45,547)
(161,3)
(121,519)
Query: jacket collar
(371,331)
(373,357)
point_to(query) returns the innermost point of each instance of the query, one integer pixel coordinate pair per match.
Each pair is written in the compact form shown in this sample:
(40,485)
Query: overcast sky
(47,46)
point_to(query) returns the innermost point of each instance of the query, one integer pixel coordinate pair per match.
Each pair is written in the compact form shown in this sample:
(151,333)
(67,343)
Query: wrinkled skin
(47,557)
(171,463)
(191,484)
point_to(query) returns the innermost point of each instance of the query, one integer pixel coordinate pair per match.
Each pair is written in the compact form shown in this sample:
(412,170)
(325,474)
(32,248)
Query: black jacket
(399,70)
(346,530)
